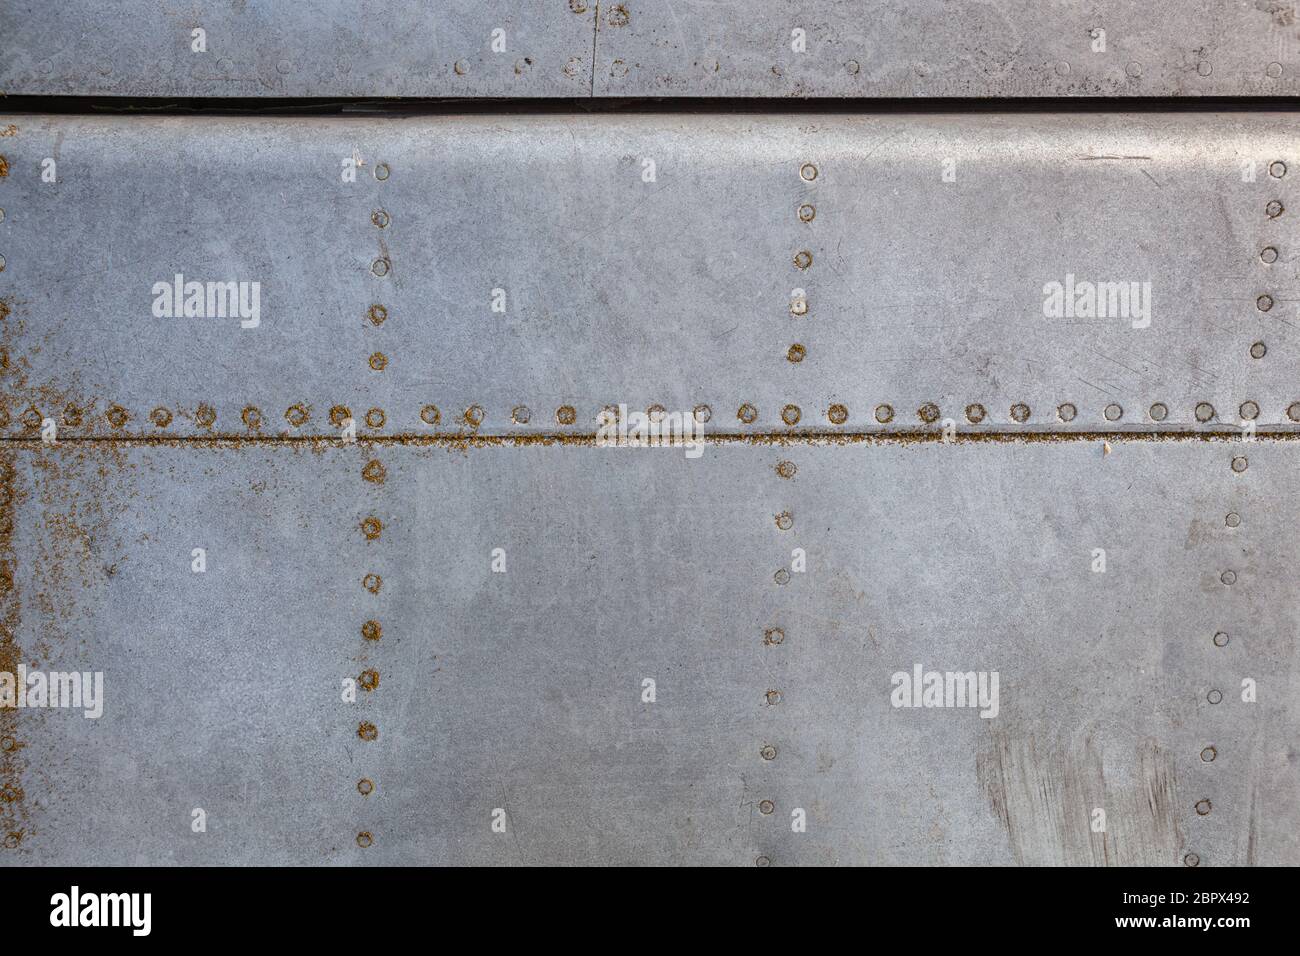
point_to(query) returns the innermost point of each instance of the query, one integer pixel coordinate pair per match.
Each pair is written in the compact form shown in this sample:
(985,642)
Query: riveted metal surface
(851,274)
(753,48)
(520,691)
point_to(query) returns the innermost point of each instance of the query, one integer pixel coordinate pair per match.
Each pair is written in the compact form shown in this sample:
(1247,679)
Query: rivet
(252,417)
(8,744)
(1209,753)
(1273,70)
(774,635)
(339,415)
(572,66)
(578,6)
(773,697)
(1239,464)
(1020,412)
(786,469)
(1232,520)
(1134,69)
(375,418)
(520,414)
(1249,411)
(376,314)
(853,67)
(766,806)
(365,787)
(1293,411)
(747,413)
(768,752)
(296,415)
(2,263)
(566,415)
(799,305)
(782,576)
(790,414)
(807,212)
(372,582)
(1204,411)
(117,416)
(430,415)
(474,416)
(1202,807)
(380,218)
(1258,350)
(379,361)
(807,172)
(379,267)
(1063,68)
(1274,209)
(1159,412)
(1277,169)
(884,414)
(32,418)
(364,839)
(975,414)
(796,353)
(71,415)
(381,171)
(656,413)
(1268,254)
(371,527)
(702,413)
(160,417)
(1192,859)
(785,521)
(1113,412)
(367,731)
(1204,68)
(1214,697)
(371,631)
(1228,577)
(1066,412)
(803,259)
(374,472)
(2,215)
(837,414)
(1264,303)
(928,413)
(762,861)
(369,680)
(1221,639)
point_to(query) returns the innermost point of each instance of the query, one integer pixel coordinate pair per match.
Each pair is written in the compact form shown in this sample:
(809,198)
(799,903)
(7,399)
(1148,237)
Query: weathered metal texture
(922,300)
(752,48)
(522,690)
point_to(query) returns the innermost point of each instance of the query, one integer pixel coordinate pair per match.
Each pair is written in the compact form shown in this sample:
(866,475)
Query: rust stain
(13,812)
(4,167)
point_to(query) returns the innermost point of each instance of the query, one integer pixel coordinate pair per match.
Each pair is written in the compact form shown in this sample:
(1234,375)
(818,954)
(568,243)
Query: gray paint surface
(886,48)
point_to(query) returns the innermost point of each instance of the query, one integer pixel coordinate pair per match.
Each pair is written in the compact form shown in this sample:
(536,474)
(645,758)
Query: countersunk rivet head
(374,472)
(367,731)
(1192,859)
(1204,68)
(796,353)
(1204,411)
(766,806)
(837,414)
(460,67)
(520,414)
(372,582)
(1249,411)
(1293,411)
(762,861)
(160,417)
(773,697)
(380,218)
(747,413)
(928,413)
(474,416)
(430,415)
(1158,412)
(799,306)
(1221,639)
(1239,464)
(369,680)
(379,267)
(1273,70)
(774,635)
(1274,209)
(884,414)
(1066,412)
(768,752)
(381,171)
(807,212)
(1264,303)
(1277,169)
(1214,697)
(786,469)
(566,415)
(790,414)
(1209,753)
(1020,412)
(1228,577)
(252,417)
(803,259)
(372,631)
(378,361)
(785,521)
(375,418)
(1258,350)
(572,66)
(117,416)
(1202,807)
(1113,412)
(1134,69)
(364,839)
(808,172)
(1233,520)
(365,786)
(656,413)
(782,576)
(1268,254)
(372,527)
(578,6)
(376,314)
(853,67)
(975,414)
(297,415)
(702,413)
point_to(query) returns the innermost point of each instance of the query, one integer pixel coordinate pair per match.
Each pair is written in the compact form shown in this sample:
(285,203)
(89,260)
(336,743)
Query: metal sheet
(980,48)
(922,293)
(523,690)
